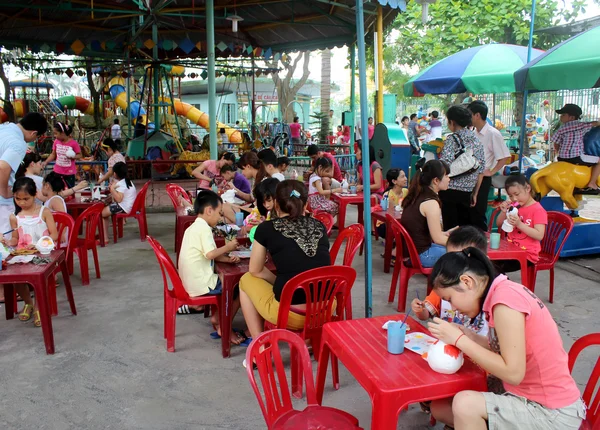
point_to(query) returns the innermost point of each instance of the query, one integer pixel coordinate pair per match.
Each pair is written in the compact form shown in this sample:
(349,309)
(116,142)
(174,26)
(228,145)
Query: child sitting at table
(123,193)
(196,256)
(265,201)
(529,226)
(394,193)
(318,197)
(30,222)
(282,164)
(52,186)
(234,180)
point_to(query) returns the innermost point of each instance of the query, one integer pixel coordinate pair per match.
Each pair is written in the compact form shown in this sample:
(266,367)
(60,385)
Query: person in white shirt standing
(13,146)
(496,152)
(115,130)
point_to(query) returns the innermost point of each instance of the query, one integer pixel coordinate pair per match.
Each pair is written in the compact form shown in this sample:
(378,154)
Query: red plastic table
(389,236)
(344,200)
(510,251)
(392,381)
(37,277)
(230,275)
(75,207)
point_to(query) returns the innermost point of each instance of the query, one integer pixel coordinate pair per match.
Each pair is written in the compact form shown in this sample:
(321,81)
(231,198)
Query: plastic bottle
(294,175)
(506,226)
(384,203)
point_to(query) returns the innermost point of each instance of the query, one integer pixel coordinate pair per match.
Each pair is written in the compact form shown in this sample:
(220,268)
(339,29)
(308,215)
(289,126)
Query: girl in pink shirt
(528,227)
(523,348)
(209,171)
(65,151)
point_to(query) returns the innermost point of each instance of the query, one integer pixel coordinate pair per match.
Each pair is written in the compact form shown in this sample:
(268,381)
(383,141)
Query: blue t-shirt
(241,183)
(12,151)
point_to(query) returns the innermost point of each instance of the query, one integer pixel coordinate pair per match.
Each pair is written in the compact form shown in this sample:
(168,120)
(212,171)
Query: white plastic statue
(444,358)
(506,226)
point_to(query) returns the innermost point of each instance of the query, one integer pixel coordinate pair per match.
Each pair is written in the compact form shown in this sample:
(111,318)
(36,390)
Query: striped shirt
(569,138)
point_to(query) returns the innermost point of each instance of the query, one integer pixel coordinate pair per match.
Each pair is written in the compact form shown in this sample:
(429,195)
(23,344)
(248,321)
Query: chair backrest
(593,412)
(355,235)
(557,231)
(91,216)
(274,399)
(327,220)
(169,271)
(323,287)
(175,191)
(402,239)
(139,205)
(65,225)
(492,220)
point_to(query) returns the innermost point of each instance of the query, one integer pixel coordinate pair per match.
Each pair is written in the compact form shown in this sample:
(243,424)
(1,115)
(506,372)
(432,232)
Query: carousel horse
(563,178)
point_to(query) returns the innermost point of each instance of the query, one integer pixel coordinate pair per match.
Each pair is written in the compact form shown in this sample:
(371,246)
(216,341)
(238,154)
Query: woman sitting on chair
(296,243)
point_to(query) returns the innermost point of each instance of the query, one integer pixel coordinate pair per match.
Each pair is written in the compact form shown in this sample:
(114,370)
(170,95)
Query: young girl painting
(31,221)
(318,197)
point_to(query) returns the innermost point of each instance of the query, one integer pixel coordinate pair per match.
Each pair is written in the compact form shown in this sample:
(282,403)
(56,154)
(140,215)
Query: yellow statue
(563,178)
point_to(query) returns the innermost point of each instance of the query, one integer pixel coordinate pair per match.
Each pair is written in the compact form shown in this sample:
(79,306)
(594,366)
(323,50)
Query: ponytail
(426,173)
(120,170)
(30,157)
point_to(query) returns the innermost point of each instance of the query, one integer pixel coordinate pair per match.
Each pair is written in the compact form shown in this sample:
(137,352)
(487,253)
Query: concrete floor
(111,369)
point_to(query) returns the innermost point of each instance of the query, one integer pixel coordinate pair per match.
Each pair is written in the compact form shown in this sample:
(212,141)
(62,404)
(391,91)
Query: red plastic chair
(80,246)
(274,394)
(558,230)
(403,268)
(177,296)
(326,219)
(354,236)
(138,211)
(64,222)
(324,287)
(175,192)
(592,420)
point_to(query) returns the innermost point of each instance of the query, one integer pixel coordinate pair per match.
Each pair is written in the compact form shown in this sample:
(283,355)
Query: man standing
(495,150)
(13,146)
(568,140)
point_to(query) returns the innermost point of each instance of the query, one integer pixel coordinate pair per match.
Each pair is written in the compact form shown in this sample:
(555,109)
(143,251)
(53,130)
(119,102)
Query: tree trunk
(8,107)
(94,94)
(325,92)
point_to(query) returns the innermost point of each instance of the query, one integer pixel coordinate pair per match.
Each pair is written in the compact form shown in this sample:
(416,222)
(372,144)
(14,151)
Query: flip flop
(186,310)
(245,343)
(586,190)
(215,335)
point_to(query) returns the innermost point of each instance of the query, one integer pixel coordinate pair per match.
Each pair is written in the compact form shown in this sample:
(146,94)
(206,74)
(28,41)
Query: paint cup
(384,204)
(352,189)
(495,240)
(396,334)
(239,219)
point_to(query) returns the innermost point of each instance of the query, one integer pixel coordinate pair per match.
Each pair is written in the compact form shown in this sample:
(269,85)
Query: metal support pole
(212,85)
(156,76)
(352,95)
(379,61)
(523,134)
(364,114)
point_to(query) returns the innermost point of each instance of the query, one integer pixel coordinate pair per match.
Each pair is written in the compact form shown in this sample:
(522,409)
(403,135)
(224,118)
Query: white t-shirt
(311,184)
(129,195)
(279,176)
(39,183)
(64,205)
(12,150)
(115,131)
(493,145)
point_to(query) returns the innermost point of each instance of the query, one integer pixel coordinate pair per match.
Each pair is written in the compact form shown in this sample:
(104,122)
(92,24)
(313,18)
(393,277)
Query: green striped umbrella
(485,69)
(573,64)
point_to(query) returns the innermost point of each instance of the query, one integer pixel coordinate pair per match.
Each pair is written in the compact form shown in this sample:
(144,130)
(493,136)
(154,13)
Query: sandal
(36,319)
(186,310)
(25,314)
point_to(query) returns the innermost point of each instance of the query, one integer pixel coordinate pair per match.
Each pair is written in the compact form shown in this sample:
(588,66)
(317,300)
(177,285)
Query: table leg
(322,370)
(225,317)
(176,234)
(387,254)
(384,415)
(9,301)
(69,290)
(41,296)
(524,272)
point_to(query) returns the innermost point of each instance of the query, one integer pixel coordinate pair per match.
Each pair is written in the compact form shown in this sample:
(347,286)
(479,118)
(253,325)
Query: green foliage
(455,25)
(319,119)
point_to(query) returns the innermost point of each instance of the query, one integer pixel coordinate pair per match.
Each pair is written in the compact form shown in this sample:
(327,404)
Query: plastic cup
(239,219)
(384,204)
(495,240)
(352,189)
(396,334)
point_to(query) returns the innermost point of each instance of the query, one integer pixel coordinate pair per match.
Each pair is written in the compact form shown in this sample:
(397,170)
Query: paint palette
(419,343)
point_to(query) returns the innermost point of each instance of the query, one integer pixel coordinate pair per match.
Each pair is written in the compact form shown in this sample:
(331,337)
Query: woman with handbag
(464,153)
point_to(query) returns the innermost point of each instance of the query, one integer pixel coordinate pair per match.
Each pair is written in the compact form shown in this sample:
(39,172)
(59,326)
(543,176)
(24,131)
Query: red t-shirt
(337,172)
(63,164)
(531,216)
(547,379)
(295,130)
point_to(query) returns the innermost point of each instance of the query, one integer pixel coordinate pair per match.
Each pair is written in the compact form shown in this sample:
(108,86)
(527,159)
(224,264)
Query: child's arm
(227,259)
(50,158)
(536,232)
(116,195)
(257,263)
(217,252)
(197,173)
(319,186)
(49,220)
(419,309)
(504,206)
(14,239)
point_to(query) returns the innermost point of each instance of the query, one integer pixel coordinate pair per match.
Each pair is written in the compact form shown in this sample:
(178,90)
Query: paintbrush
(9,231)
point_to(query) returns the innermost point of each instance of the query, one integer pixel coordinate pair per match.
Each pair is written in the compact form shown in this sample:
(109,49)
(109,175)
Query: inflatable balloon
(546,103)
(591,142)
(444,358)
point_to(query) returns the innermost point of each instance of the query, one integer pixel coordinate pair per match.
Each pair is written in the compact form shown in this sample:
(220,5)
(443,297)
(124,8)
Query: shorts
(217,290)
(430,256)
(263,298)
(116,209)
(583,160)
(507,411)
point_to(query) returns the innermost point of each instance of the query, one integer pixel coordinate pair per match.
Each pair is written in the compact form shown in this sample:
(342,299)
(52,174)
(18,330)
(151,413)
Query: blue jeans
(429,257)
(217,290)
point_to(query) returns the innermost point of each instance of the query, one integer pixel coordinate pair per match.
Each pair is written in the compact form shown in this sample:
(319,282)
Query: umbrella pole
(523,133)
(362,80)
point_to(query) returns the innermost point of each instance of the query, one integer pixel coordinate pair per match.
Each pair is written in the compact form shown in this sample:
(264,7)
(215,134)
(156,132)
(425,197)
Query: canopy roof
(111,26)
